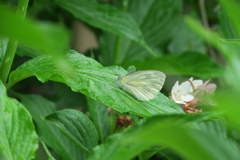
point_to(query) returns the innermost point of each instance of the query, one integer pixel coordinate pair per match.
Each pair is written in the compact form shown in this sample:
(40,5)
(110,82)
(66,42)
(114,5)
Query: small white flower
(184,92)
(180,93)
(191,93)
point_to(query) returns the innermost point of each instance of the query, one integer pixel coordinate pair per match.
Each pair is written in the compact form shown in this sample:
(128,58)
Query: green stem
(7,60)
(118,49)
(206,25)
(12,45)
(22,8)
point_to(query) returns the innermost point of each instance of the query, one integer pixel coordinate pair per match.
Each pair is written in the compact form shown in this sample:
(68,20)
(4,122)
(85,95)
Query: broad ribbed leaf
(5,151)
(214,127)
(18,137)
(92,79)
(158,24)
(188,63)
(158,21)
(77,126)
(40,107)
(105,17)
(172,131)
(99,115)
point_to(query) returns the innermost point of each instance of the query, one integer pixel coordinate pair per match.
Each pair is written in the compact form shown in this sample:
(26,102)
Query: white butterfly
(144,85)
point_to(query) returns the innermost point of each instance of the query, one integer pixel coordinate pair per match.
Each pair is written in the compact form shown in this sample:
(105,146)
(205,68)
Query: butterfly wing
(144,85)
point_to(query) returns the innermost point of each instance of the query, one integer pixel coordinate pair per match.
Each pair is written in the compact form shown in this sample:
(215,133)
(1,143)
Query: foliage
(67,105)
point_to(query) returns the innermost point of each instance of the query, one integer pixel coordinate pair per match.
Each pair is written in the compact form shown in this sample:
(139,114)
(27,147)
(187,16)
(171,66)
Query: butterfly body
(144,85)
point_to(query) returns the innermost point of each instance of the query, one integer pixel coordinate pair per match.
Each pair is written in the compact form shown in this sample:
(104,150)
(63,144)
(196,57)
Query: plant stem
(7,60)
(118,49)
(206,25)
(12,45)
(203,13)
(22,8)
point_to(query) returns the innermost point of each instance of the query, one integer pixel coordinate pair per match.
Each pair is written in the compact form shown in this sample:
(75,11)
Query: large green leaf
(92,79)
(51,135)
(47,38)
(105,17)
(158,21)
(229,48)
(18,140)
(214,127)
(5,150)
(169,130)
(158,24)
(227,99)
(188,63)
(76,126)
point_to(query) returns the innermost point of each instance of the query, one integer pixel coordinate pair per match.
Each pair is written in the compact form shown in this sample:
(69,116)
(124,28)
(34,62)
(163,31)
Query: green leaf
(47,38)
(223,45)
(186,40)
(226,27)
(188,63)
(214,127)
(228,101)
(40,107)
(18,137)
(229,48)
(77,127)
(172,131)
(91,78)
(105,17)
(219,129)
(5,150)
(99,114)
(231,7)
(157,23)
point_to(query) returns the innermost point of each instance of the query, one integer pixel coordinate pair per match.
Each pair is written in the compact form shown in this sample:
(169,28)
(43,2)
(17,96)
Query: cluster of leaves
(135,32)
